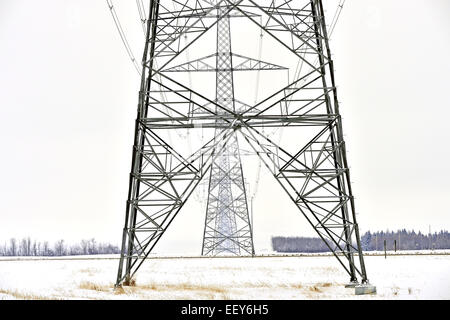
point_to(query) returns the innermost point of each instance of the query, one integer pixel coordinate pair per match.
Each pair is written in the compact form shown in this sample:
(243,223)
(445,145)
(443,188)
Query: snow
(400,276)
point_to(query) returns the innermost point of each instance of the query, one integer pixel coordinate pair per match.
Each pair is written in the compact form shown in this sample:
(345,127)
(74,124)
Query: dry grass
(87,271)
(225,297)
(296,286)
(215,291)
(87,285)
(130,283)
(395,290)
(25,296)
(198,290)
(119,290)
(314,289)
(258,284)
(325,284)
(184,286)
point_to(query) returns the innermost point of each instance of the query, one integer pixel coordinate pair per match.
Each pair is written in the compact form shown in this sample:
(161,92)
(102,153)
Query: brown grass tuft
(325,285)
(296,286)
(395,291)
(151,286)
(119,290)
(87,285)
(314,289)
(130,283)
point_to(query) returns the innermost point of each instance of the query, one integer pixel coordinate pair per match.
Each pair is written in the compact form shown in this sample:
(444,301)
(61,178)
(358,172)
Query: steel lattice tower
(227,224)
(311,167)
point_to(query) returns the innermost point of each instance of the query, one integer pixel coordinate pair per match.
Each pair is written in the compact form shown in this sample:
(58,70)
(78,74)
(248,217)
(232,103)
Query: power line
(336,16)
(142,15)
(122,35)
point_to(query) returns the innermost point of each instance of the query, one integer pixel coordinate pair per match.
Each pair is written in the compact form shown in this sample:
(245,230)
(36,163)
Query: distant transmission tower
(227,200)
(309,162)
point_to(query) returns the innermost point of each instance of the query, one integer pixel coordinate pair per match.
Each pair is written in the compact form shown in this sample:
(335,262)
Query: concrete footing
(365,288)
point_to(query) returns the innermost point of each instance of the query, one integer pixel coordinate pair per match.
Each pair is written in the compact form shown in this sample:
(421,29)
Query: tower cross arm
(241,63)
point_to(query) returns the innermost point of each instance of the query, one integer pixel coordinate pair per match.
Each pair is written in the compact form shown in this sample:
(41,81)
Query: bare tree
(28,241)
(45,249)
(28,247)
(60,248)
(12,247)
(92,246)
(85,246)
(23,247)
(34,249)
(3,250)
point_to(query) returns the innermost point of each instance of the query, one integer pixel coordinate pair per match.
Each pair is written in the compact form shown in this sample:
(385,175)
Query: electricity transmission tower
(309,163)
(222,232)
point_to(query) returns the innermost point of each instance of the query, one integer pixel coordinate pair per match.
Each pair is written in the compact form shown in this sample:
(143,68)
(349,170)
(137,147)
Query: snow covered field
(304,277)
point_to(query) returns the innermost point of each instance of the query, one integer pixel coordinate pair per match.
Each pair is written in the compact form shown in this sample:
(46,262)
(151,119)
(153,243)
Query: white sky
(68,97)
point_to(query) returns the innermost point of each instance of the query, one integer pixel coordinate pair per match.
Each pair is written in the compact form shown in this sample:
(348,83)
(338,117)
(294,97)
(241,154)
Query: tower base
(365,288)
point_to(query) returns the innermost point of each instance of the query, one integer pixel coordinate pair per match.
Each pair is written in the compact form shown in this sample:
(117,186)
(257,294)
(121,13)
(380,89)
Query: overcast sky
(68,97)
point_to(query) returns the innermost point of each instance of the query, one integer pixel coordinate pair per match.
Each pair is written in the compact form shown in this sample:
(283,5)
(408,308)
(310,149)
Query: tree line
(28,247)
(405,240)
(298,244)
(370,241)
